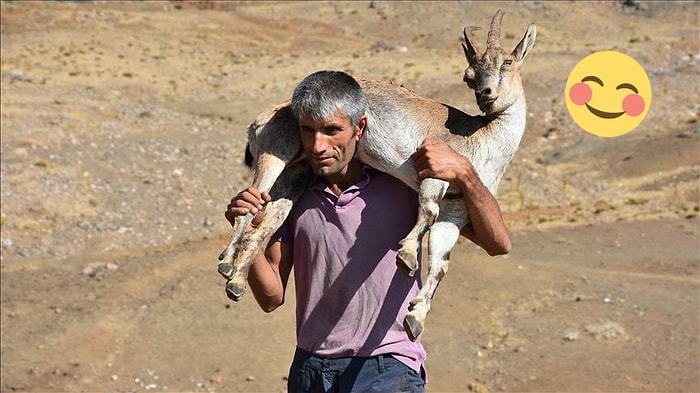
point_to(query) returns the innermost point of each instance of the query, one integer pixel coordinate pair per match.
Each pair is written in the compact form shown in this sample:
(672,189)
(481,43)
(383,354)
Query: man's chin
(322,170)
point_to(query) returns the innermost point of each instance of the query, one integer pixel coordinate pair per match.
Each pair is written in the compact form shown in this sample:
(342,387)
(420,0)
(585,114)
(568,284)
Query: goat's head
(494,76)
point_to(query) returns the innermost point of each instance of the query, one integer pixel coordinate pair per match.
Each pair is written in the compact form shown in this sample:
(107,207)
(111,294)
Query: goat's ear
(524,46)
(469,51)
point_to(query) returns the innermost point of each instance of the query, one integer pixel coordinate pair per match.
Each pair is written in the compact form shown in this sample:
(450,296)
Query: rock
(477,387)
(602,206)
(571,335)
(17,75)
(606,330)
(89,271)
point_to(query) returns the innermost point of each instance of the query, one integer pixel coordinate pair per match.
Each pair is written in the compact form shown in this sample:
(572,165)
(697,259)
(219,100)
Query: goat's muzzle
(486,104)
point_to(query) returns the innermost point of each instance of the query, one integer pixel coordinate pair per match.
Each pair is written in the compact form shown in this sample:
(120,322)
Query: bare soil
(123,128)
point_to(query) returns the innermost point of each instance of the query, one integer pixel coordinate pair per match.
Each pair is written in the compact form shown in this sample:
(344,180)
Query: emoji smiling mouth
(604,115)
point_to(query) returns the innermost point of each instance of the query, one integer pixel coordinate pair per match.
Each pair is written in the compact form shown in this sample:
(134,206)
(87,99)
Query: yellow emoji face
(608,93)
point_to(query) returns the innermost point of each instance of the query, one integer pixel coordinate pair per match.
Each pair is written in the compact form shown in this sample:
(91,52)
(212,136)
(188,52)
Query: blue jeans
(383,373)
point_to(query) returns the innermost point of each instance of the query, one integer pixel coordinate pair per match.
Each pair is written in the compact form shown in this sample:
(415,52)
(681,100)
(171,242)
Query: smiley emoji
(608,93)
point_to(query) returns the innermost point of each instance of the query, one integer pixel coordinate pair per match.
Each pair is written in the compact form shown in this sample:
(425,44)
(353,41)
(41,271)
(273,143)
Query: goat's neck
(501,137)
(507,127)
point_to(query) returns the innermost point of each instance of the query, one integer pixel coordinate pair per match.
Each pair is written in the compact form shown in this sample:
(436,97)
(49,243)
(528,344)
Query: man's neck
(342,180)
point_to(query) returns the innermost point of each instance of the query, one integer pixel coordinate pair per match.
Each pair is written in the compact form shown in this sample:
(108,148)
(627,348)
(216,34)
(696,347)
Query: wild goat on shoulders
(398,122)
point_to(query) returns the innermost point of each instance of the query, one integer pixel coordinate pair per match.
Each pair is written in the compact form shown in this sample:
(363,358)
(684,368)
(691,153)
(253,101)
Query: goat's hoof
(407,263)
(413,327)
(226,270)
(234,291)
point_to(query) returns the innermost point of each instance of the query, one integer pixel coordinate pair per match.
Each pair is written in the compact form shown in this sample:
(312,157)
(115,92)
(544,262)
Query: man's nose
(319,144)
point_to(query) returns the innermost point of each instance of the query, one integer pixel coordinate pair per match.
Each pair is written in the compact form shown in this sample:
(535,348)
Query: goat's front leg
(443,237)
(431,191)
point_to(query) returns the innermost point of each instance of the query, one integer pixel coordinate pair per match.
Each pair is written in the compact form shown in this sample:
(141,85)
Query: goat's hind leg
(443,237)
(431,191)
(269,168)
(227,256)
(290,184)
(275,214)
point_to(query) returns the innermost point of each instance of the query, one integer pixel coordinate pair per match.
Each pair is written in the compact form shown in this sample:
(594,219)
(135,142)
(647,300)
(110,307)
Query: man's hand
(250,200)
(437,159)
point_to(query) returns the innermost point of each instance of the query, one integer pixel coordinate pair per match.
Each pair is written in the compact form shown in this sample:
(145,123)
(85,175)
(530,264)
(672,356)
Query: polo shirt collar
(348,194)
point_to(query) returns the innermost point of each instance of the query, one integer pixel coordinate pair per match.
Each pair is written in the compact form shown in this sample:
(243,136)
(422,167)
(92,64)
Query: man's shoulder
(385,180)
(379,176)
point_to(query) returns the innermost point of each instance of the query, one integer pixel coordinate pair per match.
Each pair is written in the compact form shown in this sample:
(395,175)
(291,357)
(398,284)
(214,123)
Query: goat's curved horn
(494,37)
(469,49)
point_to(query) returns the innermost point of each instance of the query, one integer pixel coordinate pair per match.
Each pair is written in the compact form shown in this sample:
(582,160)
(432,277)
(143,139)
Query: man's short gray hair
(322,94)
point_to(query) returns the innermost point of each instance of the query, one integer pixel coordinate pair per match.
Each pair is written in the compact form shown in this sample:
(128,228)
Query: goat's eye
(470,82)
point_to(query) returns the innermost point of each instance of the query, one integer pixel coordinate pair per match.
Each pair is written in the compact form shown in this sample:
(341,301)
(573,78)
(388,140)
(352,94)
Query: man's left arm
(486,227)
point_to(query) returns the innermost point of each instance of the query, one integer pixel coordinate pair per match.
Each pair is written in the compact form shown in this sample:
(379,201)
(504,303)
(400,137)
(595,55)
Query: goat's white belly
(391,153)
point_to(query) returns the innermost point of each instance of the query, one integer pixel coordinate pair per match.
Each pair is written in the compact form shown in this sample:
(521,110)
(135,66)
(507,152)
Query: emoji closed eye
(591,78)
(627,86)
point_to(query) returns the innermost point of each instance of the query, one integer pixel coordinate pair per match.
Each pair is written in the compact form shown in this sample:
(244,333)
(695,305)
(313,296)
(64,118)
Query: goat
(398,122)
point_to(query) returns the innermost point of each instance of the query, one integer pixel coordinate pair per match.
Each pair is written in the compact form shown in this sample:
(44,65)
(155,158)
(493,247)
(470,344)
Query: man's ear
(361,124)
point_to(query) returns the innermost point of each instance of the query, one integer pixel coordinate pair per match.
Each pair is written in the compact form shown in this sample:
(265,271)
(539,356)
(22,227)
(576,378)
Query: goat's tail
(248,156)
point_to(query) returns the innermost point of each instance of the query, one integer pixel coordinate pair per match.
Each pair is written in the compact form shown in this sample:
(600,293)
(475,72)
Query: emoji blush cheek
(633,105)
(580,93)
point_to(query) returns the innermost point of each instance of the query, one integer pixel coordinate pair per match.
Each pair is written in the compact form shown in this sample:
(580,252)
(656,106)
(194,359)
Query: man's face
(330,144)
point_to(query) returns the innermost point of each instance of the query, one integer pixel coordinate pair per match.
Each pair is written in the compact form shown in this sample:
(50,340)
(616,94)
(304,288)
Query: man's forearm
(486,227)
(266,283)
(437,159)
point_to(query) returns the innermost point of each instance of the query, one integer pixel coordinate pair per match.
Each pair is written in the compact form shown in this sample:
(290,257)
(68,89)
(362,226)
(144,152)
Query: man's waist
(335,362)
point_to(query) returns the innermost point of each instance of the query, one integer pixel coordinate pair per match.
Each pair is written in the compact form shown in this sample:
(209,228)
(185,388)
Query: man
(342,236)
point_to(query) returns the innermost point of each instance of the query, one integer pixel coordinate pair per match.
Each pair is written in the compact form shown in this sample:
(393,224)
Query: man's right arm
(269,274)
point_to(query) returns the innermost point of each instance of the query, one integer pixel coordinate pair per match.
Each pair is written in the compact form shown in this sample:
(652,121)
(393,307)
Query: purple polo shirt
(351,298)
